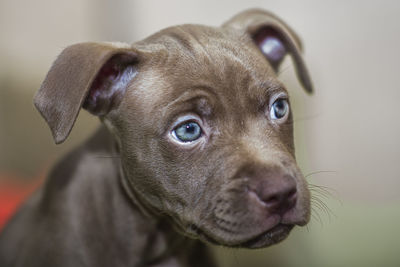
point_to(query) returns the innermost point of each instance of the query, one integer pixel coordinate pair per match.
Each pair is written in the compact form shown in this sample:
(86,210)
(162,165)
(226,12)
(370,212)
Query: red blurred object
(12,193)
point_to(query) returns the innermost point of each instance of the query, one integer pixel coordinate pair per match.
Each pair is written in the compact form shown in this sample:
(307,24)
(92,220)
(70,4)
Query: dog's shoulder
(76,189)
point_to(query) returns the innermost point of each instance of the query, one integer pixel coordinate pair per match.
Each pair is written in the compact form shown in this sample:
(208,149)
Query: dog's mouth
(275,235)
(270,237)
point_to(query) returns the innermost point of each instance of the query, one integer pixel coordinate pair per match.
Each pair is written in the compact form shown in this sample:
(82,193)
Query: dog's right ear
(92,75)
(274,38)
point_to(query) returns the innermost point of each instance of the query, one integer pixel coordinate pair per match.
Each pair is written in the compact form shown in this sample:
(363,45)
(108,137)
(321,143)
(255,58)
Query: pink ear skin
(271,45)
(108,88)
(274,38)
(275,46)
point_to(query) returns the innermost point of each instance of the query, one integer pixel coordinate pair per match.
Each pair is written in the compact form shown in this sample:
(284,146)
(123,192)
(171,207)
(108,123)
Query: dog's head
(203,125)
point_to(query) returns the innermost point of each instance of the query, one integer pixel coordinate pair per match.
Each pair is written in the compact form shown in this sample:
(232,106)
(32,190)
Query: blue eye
(187,132)
(279,109)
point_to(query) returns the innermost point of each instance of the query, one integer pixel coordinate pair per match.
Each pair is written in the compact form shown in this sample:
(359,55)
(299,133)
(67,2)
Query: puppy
(196,145)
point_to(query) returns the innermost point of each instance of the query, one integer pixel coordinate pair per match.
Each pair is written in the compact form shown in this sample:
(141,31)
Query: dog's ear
(92,75)
(274,38)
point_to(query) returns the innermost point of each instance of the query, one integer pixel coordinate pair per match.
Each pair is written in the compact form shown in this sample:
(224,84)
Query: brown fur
(131,195)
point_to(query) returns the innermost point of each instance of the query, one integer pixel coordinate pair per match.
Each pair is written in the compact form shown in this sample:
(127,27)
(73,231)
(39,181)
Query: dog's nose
(278,193)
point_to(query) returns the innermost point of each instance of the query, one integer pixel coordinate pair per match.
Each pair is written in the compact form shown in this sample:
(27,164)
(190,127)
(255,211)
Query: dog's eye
(187,132)
(279,109)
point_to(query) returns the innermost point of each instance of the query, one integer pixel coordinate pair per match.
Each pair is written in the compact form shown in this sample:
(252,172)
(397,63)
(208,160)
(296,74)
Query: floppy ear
(274,38)
(92,75)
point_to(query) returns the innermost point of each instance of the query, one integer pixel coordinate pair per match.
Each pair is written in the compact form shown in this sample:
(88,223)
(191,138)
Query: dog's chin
(270,237)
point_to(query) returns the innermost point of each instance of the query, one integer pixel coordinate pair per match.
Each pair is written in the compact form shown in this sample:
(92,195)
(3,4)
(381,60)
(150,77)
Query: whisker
(315,215)
(320,193)
(322,187)
(318,172)
(317,204)
(284,69)
(328,211)
(324,191)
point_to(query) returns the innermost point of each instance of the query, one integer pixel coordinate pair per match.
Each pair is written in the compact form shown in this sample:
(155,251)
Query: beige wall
(350,126)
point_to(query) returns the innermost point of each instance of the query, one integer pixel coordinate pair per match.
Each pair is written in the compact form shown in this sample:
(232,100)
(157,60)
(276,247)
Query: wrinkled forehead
(188,57)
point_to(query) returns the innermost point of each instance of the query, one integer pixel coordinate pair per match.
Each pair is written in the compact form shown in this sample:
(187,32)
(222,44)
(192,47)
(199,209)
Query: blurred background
(347,133)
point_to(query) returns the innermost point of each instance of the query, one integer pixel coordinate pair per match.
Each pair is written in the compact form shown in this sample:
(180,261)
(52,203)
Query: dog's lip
(272,236)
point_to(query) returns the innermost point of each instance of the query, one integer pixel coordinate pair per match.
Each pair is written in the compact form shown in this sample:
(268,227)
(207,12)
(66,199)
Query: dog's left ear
(274,38)
(89,75)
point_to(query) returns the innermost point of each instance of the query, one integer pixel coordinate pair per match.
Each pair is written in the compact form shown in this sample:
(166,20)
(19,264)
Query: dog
(196,146)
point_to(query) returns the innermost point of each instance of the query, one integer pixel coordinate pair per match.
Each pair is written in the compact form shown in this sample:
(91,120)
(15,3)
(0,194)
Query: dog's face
(204,128)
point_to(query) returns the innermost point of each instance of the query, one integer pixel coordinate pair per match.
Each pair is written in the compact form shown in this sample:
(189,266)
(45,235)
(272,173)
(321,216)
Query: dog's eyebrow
(269,85)
(267,88)
(192,94)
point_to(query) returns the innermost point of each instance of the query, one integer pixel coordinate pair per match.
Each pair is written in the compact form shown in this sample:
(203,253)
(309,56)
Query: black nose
(278,192)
